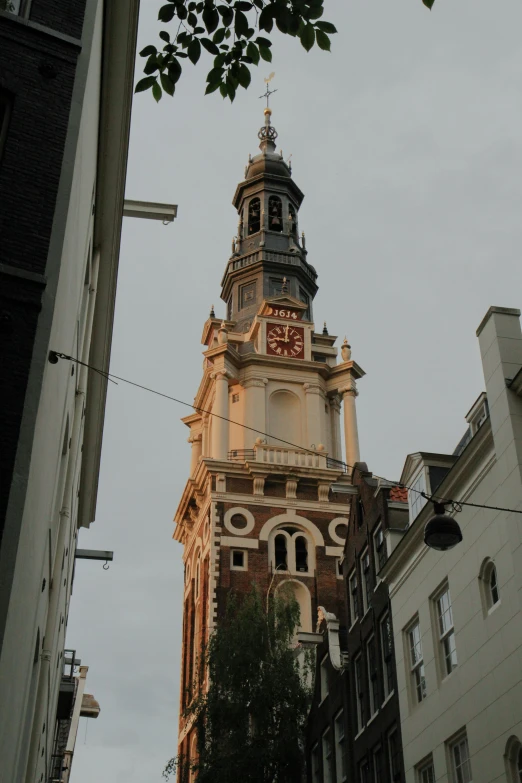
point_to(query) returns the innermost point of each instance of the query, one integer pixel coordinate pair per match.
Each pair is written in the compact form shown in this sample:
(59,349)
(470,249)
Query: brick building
(268,497)
(354,726)
(66,79)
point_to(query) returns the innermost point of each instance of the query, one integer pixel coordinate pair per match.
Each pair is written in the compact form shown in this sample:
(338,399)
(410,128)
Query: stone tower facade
(268,496)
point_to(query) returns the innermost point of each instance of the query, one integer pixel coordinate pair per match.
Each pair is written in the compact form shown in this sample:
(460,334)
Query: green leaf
(219,35)
(308,37)
(265,53)
(428,3)
(315,13)
(209,46)
(212,87)
(167,84)
(151,65)
(323,41)
(244,76)
(156,91)
(253,52)
(174,69)
(241,24)
(194,50)
(326,27)
(164,36)
(227,14)
(148,51)
(263,42)
(223,89)
(166,14)
(210,19)
(243,5)
(181,11)
(219,60)
(214,76)
(192,19)
(266,19)
(145,84)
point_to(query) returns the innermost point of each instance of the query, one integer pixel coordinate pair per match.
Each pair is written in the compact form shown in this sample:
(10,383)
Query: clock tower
(268,495)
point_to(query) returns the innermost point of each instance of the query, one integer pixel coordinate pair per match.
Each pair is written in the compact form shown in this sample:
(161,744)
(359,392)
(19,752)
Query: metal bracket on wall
(95,554)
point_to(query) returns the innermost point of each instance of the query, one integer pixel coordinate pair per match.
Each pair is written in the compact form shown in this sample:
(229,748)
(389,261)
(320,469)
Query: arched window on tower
(254,216)
(281,557)
(292,219)
(301,554)
(275,214)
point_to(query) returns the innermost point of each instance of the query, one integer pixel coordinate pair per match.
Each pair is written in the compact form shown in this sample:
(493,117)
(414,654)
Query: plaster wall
(37,551)
(483,694)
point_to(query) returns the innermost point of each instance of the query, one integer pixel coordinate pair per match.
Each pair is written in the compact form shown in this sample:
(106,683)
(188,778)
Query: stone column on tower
(351,436)
(314,414)
(195,454)
(335,407)
(255,409)
(220,424)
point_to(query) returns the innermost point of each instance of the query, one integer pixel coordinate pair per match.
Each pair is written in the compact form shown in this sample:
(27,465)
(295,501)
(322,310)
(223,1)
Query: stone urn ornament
(346,351)
(223,334)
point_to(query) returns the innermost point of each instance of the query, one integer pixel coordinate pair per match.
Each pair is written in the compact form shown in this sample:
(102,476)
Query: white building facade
(457,615)
(54,488)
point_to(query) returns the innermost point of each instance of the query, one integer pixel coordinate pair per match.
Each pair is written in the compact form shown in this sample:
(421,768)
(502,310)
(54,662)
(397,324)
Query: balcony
(286,457)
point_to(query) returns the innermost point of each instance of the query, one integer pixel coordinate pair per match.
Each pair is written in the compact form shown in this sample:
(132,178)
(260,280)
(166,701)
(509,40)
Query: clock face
(285,340)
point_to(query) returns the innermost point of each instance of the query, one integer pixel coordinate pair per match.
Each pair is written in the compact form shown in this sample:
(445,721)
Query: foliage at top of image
(229,32)
(250,719)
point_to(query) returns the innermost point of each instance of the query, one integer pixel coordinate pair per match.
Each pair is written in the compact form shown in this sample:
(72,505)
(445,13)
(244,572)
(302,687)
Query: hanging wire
(456,504)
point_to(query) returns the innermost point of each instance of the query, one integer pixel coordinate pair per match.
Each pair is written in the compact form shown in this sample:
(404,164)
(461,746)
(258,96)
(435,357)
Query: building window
(378,765)
(6,103)
(339,567)
(340,748)
(372,676)
(460,763)
(275,214)
(415,499)
(426,772)
(235,398)
(292,220)
(247,294)
(513,758)
(417,674)
(291,550)
(229,309)
(394,755)
(489,585)
(238,560)
(254,216)
(301,554)
(305,299)
(380,548)
(327,757)
(364,772)
(316,764)
(324,678)
(366,578)
(359,693)
(281,558)
(354,602)
(446,632)
(387,654)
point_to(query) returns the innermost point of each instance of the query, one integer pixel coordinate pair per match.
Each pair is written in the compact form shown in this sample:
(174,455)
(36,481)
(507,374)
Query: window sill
(446,677)
(367,612)
(388,697)
(493,608)
(373,717)
(359,734)
(352,626)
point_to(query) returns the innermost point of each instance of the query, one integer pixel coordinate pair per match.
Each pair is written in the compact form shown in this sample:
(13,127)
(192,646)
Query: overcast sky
(407,142)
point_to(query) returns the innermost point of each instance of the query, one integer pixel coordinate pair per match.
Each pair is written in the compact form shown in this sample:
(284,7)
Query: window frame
(378,767)
(326,743)
(366,580)
(488,569)
(416,502)
(354,597)
(393,757)
(291,552)
(380,548)
(460,740)
(373,678)
(243,567)
(359,693)
(341,772)
(426,765)
(315,767)
(387,665)
(445,635)
(323,678)
(6,103)
(415,658)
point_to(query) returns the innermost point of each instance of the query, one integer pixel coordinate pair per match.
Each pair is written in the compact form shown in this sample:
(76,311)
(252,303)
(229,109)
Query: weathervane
(268,92)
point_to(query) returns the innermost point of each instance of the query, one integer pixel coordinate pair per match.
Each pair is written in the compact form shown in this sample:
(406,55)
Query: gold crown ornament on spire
(267,134)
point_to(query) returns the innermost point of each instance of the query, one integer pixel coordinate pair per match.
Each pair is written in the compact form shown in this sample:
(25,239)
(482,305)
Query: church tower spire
(268,496)
(267,247)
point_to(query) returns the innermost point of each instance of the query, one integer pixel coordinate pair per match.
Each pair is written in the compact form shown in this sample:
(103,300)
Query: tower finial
(267,133)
